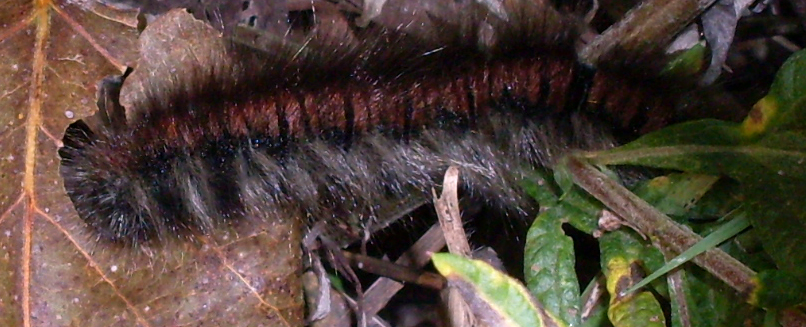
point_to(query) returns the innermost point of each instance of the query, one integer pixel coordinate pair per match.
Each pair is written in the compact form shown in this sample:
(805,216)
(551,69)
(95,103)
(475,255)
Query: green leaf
(580,210)
(789,86)
(782,108)
(675,194)
(563,178)
(493,296)
(771,171)
(778,290)
(622,255)
(766,154)
(688,62)
(627,244)
(577,207)
(549,267)
(708,302)
(541,186)
(695,198)
(641,310)
(722,198)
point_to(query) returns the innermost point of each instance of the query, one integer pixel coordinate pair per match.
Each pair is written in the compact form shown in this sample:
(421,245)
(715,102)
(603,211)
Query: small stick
(395,271)
(650,26)
(662,230)
(450,220)
(382,290)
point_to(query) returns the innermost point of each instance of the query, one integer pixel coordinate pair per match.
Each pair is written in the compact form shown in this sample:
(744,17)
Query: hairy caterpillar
(339,129)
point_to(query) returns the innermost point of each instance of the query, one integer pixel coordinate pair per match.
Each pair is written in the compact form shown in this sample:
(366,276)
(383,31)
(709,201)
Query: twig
(382,290)
(392,270)
(450,221)
(664,233)
(650,26)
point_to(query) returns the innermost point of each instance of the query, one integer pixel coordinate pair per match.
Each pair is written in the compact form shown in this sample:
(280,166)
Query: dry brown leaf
(52,270)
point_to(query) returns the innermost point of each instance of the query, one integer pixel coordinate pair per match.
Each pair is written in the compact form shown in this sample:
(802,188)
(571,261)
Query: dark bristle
(336,132)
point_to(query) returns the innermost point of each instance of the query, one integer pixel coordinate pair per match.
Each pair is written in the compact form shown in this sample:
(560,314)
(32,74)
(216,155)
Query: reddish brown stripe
(458,100)
(293,114)
(409,102)
(497,79)
(336,118)
(360,111)
(421,112)
(376,108)
(239,122)
(270,120)
(476,88)
(395,113)
(313,115)
(560,77)
(535,79)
